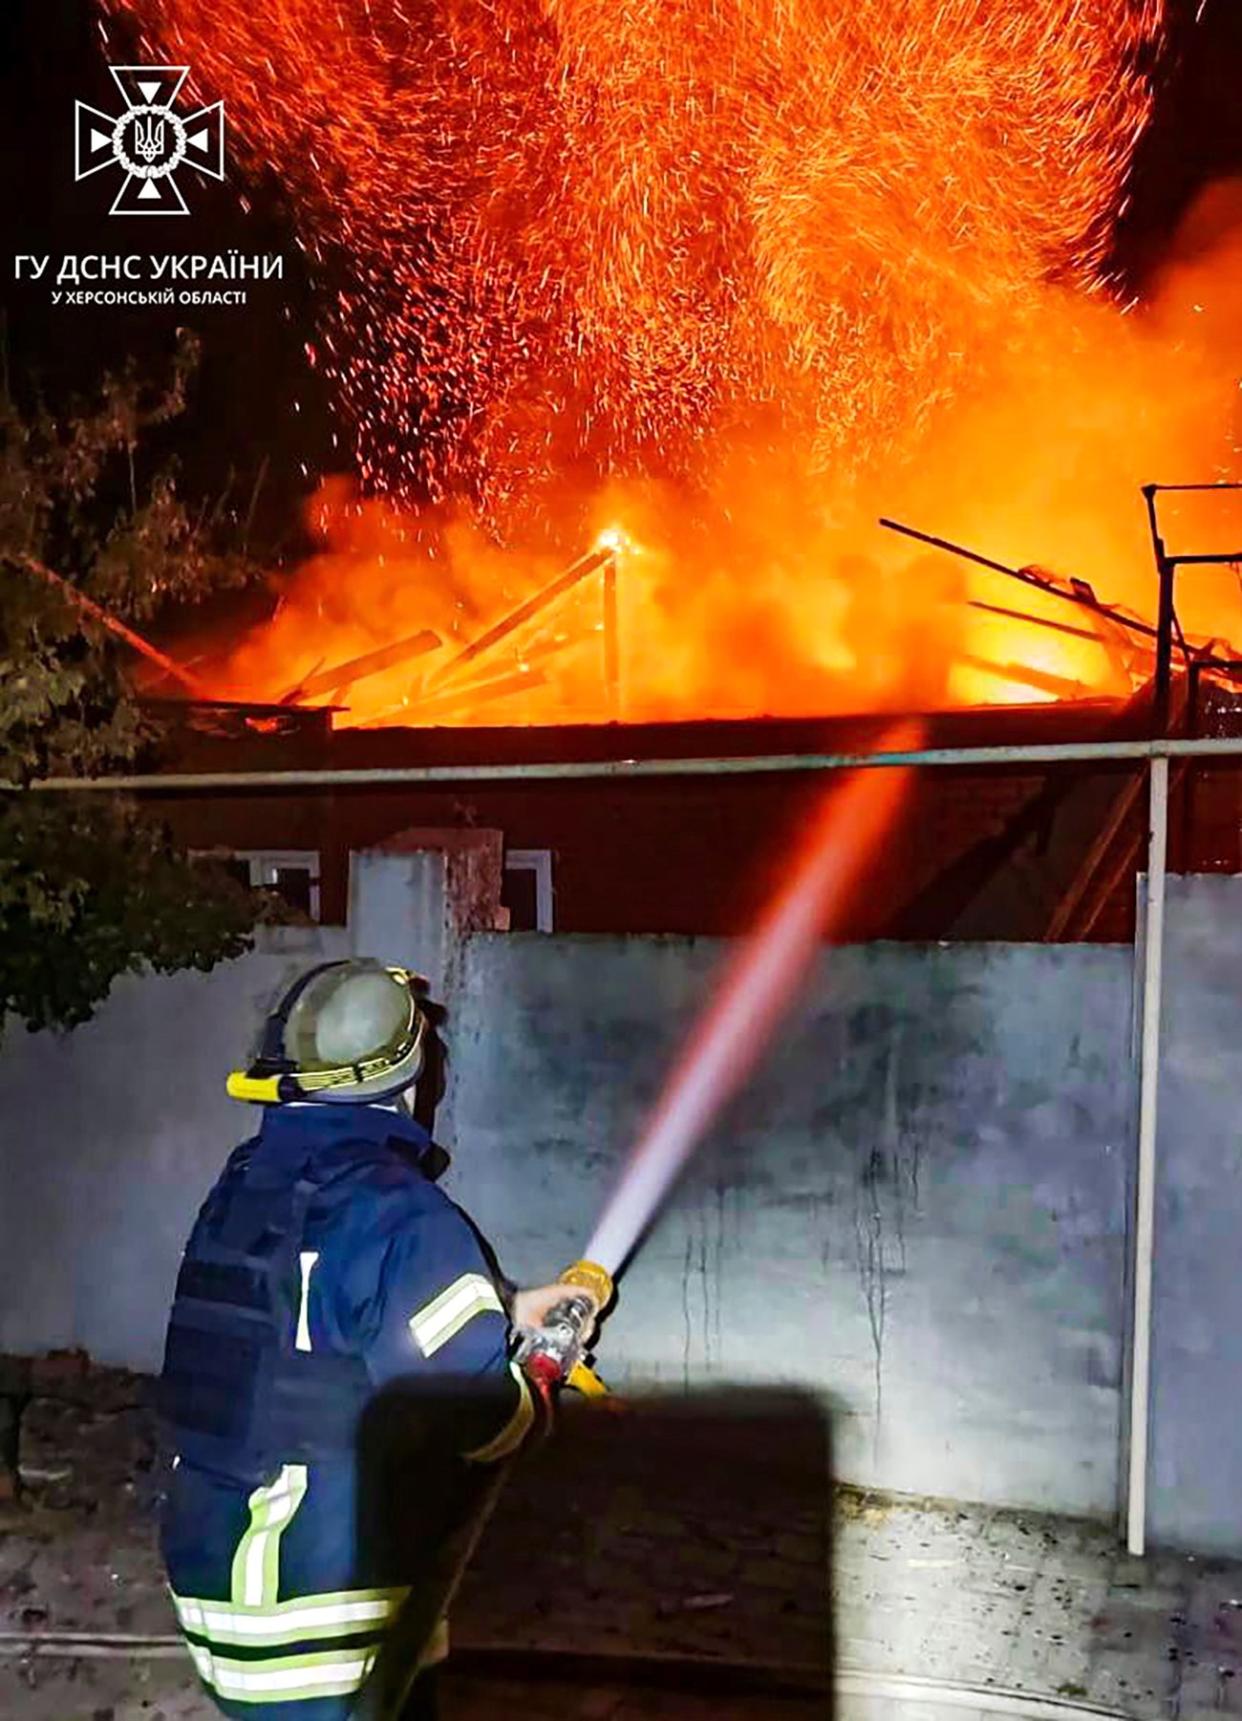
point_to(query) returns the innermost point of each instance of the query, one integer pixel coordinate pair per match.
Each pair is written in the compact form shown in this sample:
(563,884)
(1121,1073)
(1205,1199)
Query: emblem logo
(148,141)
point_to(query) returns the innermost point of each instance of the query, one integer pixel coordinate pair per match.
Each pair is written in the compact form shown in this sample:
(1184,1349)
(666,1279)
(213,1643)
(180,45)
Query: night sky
(254,368)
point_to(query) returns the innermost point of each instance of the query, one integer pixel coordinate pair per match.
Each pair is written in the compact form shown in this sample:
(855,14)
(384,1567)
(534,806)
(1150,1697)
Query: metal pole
(1164,618)
(1145,1203)
(1164,649)
(1184,861)
(1028,578)
(1088,633)
(585,770)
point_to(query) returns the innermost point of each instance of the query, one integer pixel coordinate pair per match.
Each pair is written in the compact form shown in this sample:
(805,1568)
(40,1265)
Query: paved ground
(674,1540)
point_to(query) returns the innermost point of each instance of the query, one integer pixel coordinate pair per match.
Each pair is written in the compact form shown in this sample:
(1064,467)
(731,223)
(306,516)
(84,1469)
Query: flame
(712,285)
(614,538)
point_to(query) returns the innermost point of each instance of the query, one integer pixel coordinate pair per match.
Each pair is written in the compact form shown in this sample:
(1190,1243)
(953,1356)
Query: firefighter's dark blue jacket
(336,1380)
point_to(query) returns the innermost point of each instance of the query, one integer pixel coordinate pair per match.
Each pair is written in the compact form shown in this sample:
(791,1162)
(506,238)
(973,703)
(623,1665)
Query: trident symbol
(149,138)
(150,141)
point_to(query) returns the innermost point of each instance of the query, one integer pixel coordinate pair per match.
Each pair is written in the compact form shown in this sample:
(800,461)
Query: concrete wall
(918,1208)
(111,1137)
(1195,1486)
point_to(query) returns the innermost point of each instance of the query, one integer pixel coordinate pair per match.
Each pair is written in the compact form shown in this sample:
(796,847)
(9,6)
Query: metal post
(1166,570)
(1164,649)
(612,644)
(1184,860)
(1145,1203)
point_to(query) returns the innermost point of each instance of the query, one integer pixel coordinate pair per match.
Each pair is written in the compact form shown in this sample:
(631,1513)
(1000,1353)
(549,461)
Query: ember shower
(579,228)
(706,270)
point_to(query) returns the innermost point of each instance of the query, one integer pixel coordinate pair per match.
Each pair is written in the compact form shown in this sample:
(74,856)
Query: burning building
(714,287)
(635,324)
(1018,851)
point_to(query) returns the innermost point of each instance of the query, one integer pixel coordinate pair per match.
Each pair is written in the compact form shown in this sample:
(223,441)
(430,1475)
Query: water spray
(757,989)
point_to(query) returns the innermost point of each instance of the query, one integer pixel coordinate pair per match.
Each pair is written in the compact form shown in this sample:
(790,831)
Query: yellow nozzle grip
(592,1277)
(585,1380)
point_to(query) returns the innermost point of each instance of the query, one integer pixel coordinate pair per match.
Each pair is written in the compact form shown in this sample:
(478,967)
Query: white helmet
(348,1033)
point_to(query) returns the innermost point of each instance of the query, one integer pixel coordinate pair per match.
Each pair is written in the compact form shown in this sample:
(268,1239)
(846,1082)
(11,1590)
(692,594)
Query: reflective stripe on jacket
(288,1582)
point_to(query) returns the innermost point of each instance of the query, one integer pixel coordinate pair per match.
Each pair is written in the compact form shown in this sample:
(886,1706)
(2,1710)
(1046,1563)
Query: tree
(91,886)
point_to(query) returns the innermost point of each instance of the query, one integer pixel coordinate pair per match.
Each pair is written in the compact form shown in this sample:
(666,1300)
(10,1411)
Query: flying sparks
(726,280)
(567,232)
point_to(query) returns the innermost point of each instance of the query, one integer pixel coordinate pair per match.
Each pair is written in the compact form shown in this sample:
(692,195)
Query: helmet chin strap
(398,1103)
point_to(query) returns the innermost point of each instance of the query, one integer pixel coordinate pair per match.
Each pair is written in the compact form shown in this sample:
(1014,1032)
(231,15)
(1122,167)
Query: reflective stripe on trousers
(284,1678)
(253,1618)
(256,1564)
(303,1620)
(333,1672)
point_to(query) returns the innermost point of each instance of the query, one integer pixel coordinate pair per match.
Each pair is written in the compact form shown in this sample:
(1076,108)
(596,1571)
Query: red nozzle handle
(544,1370)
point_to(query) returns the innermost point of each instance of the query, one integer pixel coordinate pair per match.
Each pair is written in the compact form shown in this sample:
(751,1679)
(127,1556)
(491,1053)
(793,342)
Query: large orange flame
(731,278)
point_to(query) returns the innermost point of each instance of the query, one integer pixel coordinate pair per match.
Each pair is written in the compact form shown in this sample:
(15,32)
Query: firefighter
(337,1384)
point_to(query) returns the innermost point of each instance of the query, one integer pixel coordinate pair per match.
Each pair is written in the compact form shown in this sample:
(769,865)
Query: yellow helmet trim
(272,1080)
(260,1090)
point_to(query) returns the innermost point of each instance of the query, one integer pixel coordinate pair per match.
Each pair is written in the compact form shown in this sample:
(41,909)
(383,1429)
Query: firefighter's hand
(531,1308)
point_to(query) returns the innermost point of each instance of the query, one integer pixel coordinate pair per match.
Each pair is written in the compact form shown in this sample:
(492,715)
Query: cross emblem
(148,140)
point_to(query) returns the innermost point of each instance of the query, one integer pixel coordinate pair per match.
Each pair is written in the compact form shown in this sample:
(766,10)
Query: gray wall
(918,1208)
(1195,1480)
(111,1136)
(109,1139)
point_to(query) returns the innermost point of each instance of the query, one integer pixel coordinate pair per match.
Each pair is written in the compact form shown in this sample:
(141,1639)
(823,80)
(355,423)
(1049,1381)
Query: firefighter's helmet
(347,1033)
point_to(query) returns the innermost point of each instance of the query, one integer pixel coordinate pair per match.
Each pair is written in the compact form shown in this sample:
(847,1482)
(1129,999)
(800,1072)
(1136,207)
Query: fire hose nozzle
(592,1277)
(583,1379)
(552,1355)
